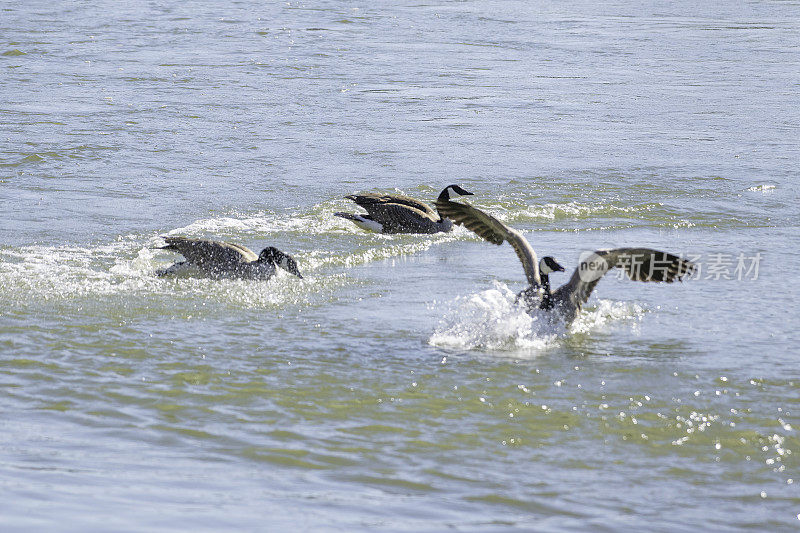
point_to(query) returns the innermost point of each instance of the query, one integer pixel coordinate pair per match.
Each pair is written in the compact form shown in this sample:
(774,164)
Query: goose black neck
(547,296)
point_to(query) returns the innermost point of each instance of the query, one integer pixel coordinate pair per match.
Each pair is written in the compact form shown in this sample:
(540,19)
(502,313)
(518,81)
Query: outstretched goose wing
(204,252)
(640,264)
(494,231)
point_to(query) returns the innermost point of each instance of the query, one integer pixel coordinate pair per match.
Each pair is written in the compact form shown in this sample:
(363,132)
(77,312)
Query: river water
(397,386)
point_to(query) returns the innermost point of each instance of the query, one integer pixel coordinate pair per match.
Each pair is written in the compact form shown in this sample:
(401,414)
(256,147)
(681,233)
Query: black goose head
(445,194)
(548,264)
(275,257)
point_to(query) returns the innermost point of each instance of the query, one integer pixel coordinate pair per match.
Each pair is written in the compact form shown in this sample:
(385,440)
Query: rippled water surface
(397,386)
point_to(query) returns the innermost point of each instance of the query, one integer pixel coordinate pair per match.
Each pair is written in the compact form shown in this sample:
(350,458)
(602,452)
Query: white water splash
(492,320)
(606,313)
(109,273)
(306,229)
(45,272)
(127,265)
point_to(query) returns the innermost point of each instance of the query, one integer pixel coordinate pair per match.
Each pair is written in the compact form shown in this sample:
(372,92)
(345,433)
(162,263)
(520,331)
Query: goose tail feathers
(362,221)
(348,216)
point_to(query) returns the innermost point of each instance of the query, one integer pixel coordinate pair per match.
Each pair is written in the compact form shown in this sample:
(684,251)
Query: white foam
(315,220)
(112,274)
(310,227)
(604,314)
(764,187)
(491,320)
(573,210)
(128,264)
(36,273)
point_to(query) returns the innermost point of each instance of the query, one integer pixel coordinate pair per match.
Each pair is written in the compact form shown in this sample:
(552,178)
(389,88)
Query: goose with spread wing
(219,259)
(398,213)
(640,264)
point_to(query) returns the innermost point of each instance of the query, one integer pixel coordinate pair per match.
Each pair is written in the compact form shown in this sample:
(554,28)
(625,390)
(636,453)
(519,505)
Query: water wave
(580,211)
(317,239)
(320,241)
(40,274)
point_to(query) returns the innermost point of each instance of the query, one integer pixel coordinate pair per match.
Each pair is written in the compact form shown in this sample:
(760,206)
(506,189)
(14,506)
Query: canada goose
(640,264)
(397,213)
(222,259)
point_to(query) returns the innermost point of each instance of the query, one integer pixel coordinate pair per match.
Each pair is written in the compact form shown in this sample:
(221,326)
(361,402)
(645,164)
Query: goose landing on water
(640,264)
(397,213)
(221,259)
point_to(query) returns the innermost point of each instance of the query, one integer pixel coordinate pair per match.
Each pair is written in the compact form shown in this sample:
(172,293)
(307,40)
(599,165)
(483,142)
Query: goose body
(223,259)
(640,264)
(398,213)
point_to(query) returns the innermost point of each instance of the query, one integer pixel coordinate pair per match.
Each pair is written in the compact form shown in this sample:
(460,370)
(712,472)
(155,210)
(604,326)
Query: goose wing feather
(370,201)
(491,229)
(396,218)
(640,264)
(204,252)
